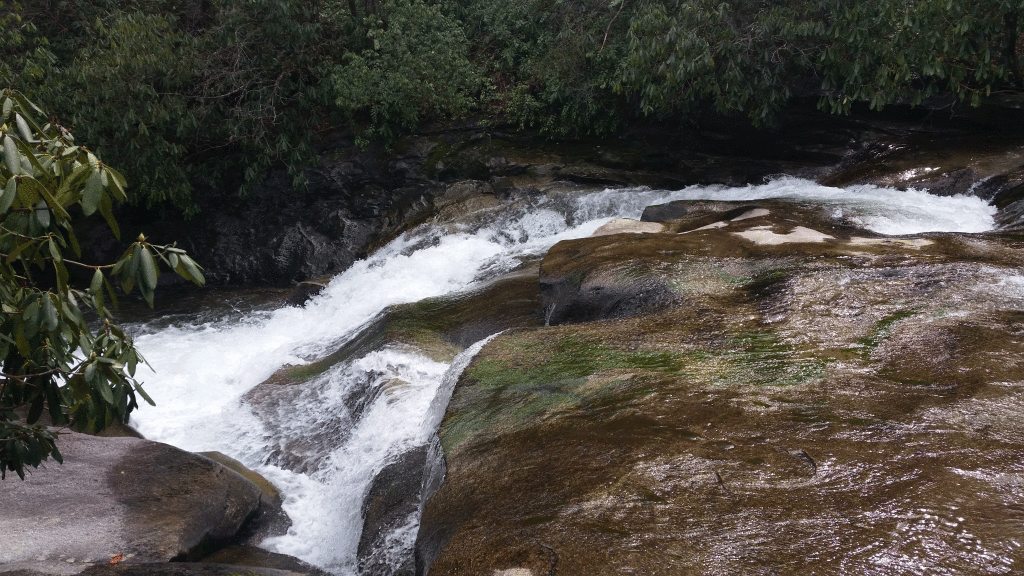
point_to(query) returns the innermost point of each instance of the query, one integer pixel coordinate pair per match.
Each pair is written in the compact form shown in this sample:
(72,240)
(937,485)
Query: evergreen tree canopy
(211,93)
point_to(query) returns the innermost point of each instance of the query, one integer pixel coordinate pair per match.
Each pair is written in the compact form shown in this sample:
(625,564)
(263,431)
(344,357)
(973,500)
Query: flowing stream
(361,414)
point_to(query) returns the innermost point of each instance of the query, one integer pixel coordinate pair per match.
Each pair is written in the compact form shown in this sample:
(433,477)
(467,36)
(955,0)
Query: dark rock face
(148,501)
(243,559)
(357,200)
(267,521)
(303,291)
(571,295)
(393,502)
(663,212)
(815,398)
(963,161)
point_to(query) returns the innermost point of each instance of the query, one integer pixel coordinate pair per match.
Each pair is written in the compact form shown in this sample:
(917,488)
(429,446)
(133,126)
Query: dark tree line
(181,93)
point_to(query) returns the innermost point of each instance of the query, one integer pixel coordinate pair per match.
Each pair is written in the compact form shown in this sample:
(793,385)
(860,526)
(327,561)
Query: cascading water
(323,444)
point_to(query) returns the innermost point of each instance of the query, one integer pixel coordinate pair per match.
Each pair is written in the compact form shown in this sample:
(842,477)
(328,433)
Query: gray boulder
(149,502)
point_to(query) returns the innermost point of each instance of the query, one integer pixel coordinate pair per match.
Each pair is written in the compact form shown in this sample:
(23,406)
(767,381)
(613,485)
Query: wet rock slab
(778,393)
(142,500)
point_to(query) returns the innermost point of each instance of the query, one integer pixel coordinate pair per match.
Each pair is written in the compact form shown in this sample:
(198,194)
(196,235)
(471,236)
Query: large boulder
(812,398)
(142,500)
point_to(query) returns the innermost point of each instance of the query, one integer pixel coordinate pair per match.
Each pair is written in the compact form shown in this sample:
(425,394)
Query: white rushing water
(203,368)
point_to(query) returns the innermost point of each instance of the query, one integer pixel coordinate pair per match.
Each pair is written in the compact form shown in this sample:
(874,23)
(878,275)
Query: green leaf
(132,267)
(31,318)
(23,129)
(105,392)
(144,395)
(110,291)
(28,191)
(107,210)
(11,156)
(58,210)
(147,269)
(73,240)
(21,341)
(191,271)
(26,103)
(96,286)
(55,408)
(8,106)
(54,251)
(27,153)
(9,194)
(84,343)
(66,193)
(49,313)
(42,214)
(117,184)
(35,409)
(92,194)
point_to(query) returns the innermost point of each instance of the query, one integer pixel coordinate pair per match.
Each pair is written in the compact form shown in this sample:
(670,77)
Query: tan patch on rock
(800,235)
(755,213)
(915,243)
(628,226)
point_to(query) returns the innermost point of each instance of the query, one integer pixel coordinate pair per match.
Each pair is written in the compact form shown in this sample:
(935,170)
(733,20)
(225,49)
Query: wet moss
(763,359)
(530,380)
(531,377)
(879,332)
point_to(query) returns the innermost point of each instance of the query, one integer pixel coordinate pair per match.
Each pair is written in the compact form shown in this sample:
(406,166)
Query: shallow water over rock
(714,400)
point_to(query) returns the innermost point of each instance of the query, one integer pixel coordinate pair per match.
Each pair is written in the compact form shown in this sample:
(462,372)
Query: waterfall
(343,426)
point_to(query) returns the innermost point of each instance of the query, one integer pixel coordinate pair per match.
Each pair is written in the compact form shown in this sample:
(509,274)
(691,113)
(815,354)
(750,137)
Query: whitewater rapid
(202,368)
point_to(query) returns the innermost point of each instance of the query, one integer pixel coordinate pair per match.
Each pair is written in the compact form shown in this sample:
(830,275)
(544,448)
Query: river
(204,363)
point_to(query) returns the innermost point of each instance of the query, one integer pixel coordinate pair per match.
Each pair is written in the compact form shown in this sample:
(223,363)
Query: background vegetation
(207,94)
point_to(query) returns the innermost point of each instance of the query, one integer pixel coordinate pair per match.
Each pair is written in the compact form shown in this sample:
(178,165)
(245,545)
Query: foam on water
(202,370)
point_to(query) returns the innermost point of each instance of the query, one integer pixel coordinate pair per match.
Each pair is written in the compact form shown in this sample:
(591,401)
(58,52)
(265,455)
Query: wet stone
(842,404)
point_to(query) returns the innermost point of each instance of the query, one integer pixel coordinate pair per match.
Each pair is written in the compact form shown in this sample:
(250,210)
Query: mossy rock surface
(831,405)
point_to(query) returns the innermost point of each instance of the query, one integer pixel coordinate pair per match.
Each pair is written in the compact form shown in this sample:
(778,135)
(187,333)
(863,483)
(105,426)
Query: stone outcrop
(145,501)
(759,390)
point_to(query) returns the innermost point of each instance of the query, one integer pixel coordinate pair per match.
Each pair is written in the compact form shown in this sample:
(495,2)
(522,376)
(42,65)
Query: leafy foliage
(709,52)
(748,56)
(82,372)
(553,65)
(212,93)
(896,50)
(119,91)
(415,66)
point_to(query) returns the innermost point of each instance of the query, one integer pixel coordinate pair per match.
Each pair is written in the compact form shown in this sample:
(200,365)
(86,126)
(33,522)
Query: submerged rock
(142,500)
(304,291)
(775,393)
